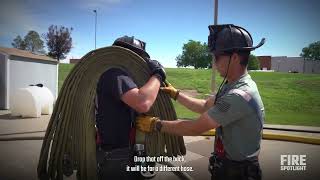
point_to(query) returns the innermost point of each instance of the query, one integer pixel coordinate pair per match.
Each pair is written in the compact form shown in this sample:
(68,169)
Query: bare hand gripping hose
(71,129)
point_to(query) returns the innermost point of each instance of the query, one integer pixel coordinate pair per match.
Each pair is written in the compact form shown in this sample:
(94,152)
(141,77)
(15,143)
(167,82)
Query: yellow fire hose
(71,129)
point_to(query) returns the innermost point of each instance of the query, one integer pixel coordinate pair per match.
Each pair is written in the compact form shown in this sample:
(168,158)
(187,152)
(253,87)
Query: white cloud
(166,61)
(16,19)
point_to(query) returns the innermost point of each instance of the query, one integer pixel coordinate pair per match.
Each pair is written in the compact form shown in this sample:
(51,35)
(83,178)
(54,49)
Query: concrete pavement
(19,158)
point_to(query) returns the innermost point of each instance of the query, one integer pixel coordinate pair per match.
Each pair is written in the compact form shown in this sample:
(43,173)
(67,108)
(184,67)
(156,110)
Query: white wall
(23,72)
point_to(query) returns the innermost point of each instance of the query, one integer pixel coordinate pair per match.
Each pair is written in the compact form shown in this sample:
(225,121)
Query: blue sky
(288,25)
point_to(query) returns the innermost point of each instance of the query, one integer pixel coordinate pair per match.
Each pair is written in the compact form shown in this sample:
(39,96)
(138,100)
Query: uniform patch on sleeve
(223,106)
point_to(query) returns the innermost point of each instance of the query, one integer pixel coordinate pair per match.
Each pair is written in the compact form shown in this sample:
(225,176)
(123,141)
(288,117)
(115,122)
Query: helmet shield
(133,44)
(228,38)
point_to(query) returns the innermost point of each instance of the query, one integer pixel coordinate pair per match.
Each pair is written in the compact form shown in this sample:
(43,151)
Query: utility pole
(213,78)
(95,30)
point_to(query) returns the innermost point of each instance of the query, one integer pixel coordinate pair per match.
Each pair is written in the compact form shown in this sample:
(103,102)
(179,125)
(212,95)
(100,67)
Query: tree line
(196,54)
(58,41)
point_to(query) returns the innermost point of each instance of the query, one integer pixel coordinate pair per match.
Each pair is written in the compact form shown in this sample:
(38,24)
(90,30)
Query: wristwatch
(158,125)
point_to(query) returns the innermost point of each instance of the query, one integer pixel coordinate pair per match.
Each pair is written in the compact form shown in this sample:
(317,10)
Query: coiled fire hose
(71,129)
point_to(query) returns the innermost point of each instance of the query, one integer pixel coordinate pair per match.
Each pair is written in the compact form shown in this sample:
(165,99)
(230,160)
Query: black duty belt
(109,148)
(114,154)
(248,160)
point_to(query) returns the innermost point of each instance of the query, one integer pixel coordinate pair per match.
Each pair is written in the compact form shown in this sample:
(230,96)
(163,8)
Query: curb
(279,137)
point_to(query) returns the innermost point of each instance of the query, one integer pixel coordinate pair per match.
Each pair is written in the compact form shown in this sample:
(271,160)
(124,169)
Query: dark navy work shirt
(114,117)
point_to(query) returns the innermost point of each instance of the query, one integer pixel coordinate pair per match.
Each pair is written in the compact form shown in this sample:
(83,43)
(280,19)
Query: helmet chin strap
(223,82)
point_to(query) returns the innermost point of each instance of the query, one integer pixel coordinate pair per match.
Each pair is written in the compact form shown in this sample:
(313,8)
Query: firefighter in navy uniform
(118,101)
(236,111)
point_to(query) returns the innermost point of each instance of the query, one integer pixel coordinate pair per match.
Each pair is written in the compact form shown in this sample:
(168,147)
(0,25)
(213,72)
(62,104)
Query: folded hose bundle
(71,130)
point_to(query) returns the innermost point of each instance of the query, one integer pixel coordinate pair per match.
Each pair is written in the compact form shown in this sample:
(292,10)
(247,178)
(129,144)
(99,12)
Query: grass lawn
(288,98)
(64,70)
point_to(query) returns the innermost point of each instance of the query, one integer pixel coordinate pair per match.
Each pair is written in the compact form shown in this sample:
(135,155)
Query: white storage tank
(32,101)
(20,68)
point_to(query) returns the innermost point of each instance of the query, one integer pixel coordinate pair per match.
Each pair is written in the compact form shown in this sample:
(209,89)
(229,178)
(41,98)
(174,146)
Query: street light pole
(215,12)
(95,30)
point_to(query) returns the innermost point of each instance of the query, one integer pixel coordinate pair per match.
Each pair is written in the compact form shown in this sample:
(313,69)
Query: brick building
(265,62)
(74,61)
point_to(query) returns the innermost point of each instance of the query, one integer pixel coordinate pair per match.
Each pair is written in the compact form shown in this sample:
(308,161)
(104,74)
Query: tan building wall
(312,67)
(294,64)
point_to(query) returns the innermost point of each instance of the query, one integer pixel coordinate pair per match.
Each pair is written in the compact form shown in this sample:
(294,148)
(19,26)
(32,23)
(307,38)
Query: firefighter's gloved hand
(157,69)
(170,90)
(146,123)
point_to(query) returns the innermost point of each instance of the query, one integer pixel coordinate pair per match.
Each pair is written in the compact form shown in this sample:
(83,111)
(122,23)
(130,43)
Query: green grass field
(288,98)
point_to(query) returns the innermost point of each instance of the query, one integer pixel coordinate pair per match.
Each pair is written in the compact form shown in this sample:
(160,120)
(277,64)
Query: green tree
(59,41)
(31,42)
(195,54)
(253,63)
(312,52)
(18,43)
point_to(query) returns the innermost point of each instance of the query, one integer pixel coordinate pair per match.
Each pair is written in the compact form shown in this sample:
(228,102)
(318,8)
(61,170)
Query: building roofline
(26,54)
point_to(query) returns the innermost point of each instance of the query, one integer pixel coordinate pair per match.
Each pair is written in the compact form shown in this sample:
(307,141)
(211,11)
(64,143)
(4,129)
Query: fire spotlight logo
(293,162)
